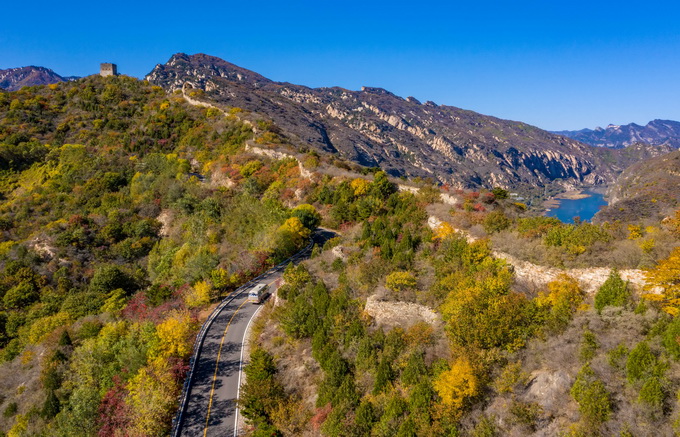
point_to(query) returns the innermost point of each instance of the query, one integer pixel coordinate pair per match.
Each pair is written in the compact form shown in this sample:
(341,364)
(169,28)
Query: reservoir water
(583,208)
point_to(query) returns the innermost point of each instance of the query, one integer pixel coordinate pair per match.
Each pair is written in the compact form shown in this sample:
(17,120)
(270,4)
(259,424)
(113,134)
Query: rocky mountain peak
(377,91)
(198,69)
(374,127)
(13,79)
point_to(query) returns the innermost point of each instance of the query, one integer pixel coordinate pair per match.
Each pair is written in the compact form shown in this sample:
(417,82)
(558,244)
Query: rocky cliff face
(403,136)
(13,79)
(656,133)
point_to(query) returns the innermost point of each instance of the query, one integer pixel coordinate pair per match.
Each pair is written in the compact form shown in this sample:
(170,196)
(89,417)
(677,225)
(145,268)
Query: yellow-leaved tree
(221,278)
(674,223)
(360,186)
(559,304)
(290,237)
(152,395)
(483,313)
(294,227)
(443,231)
(399,281)
(457,384)
(44,326)
(563,289)
(665,279)
(198,295)
(634,232)
(175,335)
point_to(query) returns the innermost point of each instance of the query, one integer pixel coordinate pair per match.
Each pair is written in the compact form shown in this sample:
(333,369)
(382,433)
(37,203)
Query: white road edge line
(240,370)
(178,420)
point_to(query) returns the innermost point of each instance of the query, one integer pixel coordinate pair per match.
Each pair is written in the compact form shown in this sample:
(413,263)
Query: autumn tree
(295,229)
(198,295)
(443,231)
(484,313)
(666,279)
(360,186)
(152,398)
(176,335)
(399,281)
(308,215)
(560,302)
(458,384)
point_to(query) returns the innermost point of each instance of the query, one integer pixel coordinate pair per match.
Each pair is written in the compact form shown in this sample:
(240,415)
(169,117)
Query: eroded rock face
(166,218)
(340,252)
(220,179)
(549,388)
(43,246)
(406,138)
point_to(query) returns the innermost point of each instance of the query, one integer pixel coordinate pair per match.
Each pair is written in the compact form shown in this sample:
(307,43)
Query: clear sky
(557,65)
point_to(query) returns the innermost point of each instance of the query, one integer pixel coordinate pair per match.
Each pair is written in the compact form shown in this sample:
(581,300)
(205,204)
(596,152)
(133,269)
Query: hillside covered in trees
(496,359)
(126,214)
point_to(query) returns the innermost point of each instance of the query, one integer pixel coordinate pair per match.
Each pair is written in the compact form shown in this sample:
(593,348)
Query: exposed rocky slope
(403,136)
(656,132)
(649,189)
(13,79)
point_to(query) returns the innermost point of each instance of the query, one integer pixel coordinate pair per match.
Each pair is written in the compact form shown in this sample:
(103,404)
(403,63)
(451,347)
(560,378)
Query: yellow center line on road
(217,364)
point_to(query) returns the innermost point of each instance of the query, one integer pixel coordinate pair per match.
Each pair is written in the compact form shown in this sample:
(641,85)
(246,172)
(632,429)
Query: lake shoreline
(568,200)
(555,201)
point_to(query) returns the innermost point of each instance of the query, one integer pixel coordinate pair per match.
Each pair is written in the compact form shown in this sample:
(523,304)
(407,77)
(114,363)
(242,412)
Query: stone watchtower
(107,69)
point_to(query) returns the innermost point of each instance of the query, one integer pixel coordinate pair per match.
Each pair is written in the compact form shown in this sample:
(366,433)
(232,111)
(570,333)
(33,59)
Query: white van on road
(258,293)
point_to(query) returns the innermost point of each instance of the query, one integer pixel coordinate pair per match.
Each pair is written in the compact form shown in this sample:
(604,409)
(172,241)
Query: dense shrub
(671,338)
(641,363)
(593,400)
(613,292)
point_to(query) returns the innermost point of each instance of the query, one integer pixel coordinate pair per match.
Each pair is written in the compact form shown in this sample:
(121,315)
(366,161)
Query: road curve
(208,407)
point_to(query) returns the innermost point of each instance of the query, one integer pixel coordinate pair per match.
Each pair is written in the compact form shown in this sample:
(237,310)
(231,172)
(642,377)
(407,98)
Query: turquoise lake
(583,208)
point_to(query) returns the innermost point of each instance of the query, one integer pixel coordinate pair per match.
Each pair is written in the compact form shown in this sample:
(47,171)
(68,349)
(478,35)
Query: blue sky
(557,65)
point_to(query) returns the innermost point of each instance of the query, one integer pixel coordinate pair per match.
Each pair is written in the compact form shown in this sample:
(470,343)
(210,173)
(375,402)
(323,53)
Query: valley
(443,304)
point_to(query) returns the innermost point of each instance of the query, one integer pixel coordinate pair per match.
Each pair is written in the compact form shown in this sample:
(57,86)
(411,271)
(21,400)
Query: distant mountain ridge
(13,79)
(655,133)
(403,136)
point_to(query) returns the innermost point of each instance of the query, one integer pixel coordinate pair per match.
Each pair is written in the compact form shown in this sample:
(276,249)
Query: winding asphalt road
(210,407)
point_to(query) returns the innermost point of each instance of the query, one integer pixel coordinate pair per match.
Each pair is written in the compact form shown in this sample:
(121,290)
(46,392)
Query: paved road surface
(211,404)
